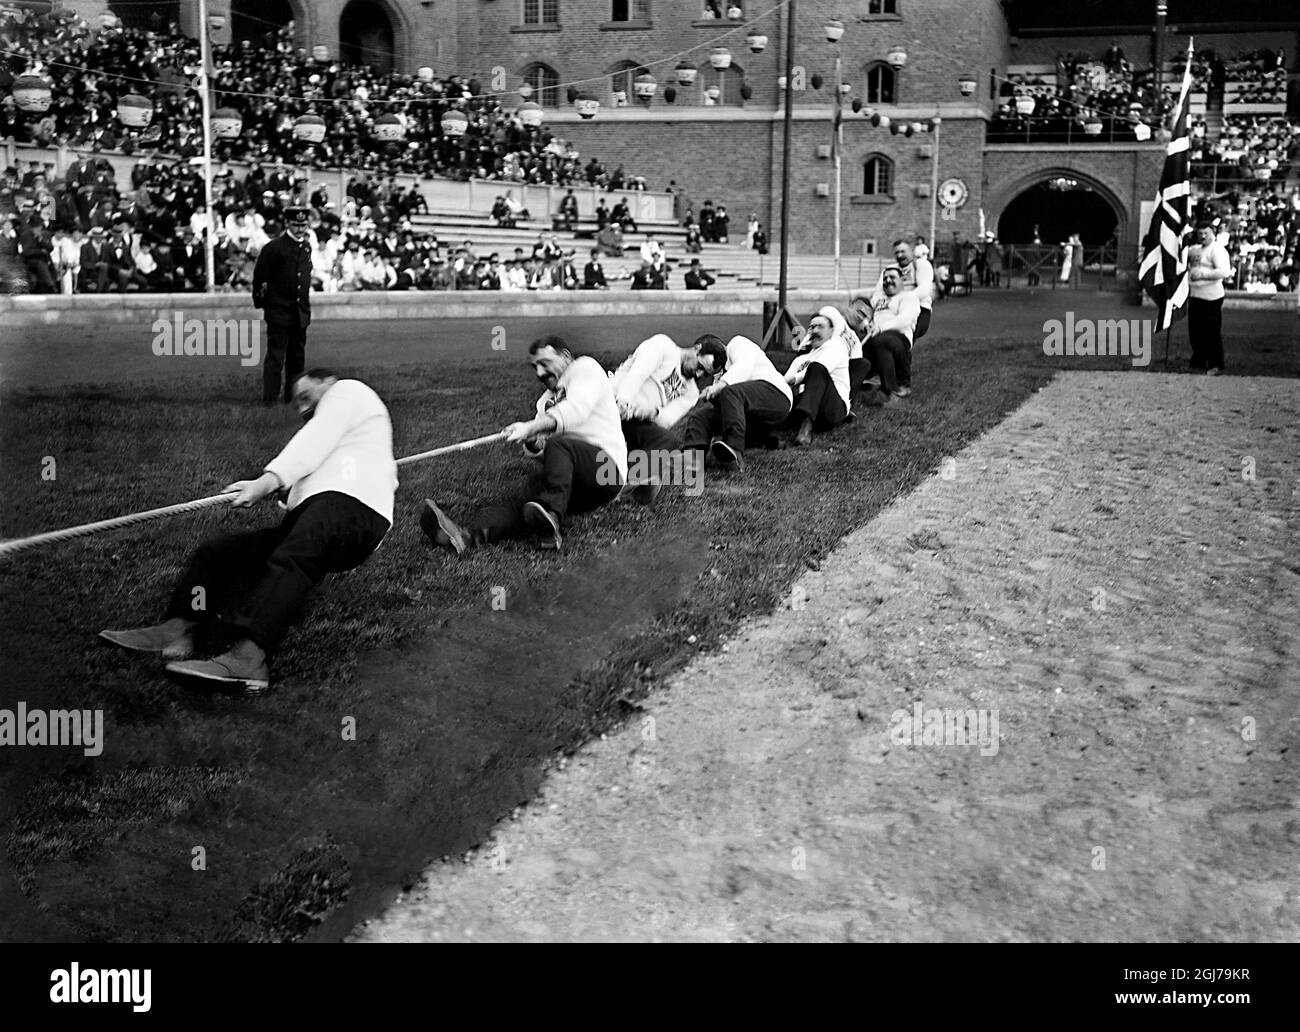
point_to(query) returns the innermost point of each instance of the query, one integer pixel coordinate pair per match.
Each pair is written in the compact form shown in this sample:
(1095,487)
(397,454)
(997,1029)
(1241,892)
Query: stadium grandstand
(496,146)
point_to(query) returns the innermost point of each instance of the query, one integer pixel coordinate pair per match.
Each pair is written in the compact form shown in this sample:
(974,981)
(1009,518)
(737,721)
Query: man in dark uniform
(282,290)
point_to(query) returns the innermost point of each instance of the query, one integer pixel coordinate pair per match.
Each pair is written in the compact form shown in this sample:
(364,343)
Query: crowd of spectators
(88,233)
(1261,75)
(1247,143)
(1261,233)
(1084,89)
(270,83)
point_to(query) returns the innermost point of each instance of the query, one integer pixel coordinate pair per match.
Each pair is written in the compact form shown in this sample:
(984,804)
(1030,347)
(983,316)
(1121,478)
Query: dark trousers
(1205,331)
(256,582)
(41,274)
(647,435)
(820,401)
(739,413)
(891,358)
(922,324)
(286,349)
(858,371)
(575,477)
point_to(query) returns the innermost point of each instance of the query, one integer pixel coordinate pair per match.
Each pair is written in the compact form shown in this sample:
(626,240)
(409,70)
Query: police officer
(282,290)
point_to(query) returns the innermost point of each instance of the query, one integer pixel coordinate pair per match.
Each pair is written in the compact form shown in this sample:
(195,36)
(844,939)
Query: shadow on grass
(408,711)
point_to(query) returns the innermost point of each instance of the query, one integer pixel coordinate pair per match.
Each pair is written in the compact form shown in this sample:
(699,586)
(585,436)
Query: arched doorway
(366,36)
(1050,211)
(256,20)
(157,17)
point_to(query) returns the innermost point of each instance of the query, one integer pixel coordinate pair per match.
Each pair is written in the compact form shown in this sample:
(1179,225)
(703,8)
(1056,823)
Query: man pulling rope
(340,477)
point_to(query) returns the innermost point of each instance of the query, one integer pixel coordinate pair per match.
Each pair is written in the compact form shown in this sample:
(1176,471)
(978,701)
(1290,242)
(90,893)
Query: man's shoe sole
(179,649)
(536,516)
(726,455)
(455,535)
(250,685)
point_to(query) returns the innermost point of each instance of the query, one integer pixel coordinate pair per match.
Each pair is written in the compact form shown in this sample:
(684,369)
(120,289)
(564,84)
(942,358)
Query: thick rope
(8,548)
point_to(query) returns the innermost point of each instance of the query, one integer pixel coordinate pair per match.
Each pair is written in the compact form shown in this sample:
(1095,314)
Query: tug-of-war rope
(8,548)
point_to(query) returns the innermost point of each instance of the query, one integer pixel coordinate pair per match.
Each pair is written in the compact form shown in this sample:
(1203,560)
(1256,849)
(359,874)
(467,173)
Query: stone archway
(999,199)
(372,32)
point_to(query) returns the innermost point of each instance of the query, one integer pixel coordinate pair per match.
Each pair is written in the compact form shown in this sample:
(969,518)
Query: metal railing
(1109,267)
(1057,131)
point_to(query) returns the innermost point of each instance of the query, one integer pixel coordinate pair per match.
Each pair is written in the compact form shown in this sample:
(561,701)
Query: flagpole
(205,58)
(839,146)
(1162,270)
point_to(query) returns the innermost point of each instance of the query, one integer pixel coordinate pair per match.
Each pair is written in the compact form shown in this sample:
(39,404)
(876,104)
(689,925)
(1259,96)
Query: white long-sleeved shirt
(650,384)
(346,446)
(899,312)
(834,355)
(583,406)
(746,361)
(917,277)
(1213,259)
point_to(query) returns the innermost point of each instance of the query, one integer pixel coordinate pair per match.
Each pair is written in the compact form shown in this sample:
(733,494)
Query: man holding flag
(1163,273)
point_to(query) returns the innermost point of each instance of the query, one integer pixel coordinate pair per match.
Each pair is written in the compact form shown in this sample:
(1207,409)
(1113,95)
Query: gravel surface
(1109,580)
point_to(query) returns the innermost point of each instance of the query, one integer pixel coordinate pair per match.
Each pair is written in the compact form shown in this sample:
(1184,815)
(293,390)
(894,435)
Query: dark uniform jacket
(282,282)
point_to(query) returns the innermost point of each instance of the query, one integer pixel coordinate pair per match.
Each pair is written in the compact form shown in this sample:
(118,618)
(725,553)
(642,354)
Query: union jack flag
(1163,273)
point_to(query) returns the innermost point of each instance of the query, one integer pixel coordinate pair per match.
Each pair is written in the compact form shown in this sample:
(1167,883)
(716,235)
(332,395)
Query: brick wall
(1126,176)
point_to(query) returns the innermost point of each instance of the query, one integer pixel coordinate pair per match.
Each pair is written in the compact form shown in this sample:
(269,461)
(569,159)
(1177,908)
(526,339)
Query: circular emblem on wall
(953,193)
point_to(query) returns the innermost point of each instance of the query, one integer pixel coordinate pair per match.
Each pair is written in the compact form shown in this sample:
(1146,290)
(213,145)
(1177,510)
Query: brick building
(719,136)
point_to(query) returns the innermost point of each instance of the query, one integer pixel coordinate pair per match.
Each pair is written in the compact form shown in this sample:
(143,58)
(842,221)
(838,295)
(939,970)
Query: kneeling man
(577,436)
(340,477)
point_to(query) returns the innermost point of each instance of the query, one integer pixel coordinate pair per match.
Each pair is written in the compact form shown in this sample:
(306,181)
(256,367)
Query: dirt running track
(1102,575)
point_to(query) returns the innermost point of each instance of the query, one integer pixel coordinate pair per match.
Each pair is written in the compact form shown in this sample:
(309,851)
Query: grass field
(458,706)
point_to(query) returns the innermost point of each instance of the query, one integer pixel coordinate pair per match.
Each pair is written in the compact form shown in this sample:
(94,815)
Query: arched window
(621,77)
(727,83)
(882,84)
(878,176)
(545,81)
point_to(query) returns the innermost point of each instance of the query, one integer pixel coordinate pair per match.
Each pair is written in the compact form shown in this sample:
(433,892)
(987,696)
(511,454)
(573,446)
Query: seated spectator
(189,263)
(566,274)
(516,209)
(569,212)
(92,277)
(516,276)
(547,247)
(651,250)
(610,240)
(67,258)
(35,247)
(621,216)
(694,240)
(696,278)
(502,214)
(593,273)
(121,266)
(350,265)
